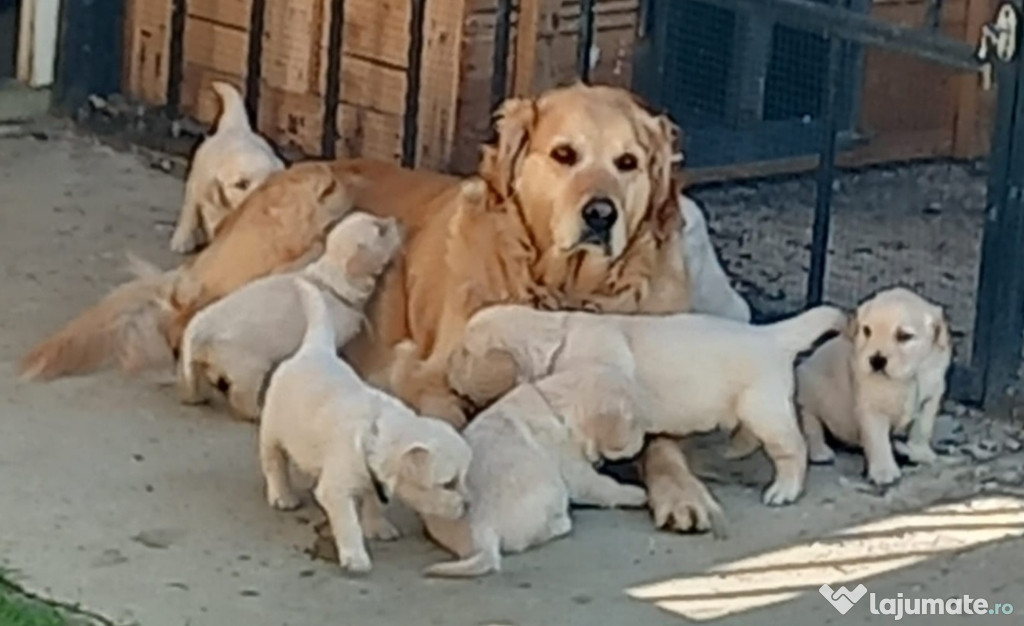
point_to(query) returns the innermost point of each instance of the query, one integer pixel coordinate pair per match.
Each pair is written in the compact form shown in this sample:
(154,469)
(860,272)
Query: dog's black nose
(877,362)
(599,215)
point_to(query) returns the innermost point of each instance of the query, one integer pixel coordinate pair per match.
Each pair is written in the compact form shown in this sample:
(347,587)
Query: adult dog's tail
(485,560)
(320,335)
(126,327)
(799,332)
(232,108)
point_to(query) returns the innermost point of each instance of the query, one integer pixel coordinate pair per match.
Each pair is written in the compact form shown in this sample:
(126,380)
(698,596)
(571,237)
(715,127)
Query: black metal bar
(254,58)
(853,26)
(176,57)
(410,119)
(934,17)
(89,52)
(586,40)
(499,64)
(332,93)
(826,172)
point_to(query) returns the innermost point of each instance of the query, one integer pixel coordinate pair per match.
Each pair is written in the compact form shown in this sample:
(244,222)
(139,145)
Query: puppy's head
(423,462)
(363,245)
(502,346)
(239,174)
(587,164)
(895,331)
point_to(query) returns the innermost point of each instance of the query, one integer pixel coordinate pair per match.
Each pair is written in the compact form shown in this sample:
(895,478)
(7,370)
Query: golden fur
(278,228)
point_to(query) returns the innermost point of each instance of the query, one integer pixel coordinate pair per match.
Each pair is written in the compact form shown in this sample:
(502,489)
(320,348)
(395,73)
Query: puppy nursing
(226,168)
(534,453)
(361,445)
(236,341)
(887,374)
(695,373)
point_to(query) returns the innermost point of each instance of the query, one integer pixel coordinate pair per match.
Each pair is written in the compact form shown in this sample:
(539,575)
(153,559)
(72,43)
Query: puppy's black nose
(877,362)
(599,215)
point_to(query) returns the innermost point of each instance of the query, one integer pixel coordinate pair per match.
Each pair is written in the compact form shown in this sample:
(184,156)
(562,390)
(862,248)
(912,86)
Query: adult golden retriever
(574,207)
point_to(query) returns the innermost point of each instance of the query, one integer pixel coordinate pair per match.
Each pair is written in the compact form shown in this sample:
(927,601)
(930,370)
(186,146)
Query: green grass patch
(21,608)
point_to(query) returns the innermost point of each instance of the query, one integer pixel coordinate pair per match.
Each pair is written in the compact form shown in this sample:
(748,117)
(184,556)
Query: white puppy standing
(886,374)
(695,372)
(352,438)
(236,341)
(534,452)
(227,166)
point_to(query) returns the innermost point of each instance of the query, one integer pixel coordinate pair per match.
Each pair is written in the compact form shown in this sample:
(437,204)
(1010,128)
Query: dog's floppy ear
(852,325)
(664,146)
(514,122)
(484,378)
(940,329)
(415,462)
(362,264)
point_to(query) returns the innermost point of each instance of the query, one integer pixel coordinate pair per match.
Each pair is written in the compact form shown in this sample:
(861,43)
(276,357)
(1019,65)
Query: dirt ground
(114,496)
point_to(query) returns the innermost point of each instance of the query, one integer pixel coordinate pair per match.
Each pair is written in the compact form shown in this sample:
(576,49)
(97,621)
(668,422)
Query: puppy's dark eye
(242,185)
(451,485)
(867,332)
(565,155)
(626,162)
(903,336)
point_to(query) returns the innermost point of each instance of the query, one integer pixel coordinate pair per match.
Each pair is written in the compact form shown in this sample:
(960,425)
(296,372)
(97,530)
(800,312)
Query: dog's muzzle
(599,216)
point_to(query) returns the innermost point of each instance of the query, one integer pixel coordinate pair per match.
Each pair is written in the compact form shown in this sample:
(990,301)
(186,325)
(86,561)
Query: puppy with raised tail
(360,444)
(533,453)
(233,343)
(695,372)
(885,375)
(227,166)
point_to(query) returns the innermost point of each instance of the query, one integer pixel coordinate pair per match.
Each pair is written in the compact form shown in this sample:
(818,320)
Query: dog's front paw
(629,497)
(686,509)
(884,474)
(918,454)
(781,492)
(380,529)
(284,501)
(183,241)
(356,561)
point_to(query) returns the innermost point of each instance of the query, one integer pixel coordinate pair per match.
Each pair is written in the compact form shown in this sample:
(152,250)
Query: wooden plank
(292,120)
(439,91)
(233,13)
(198,99)
(147,58)
(525,51)
(376,29)
(369,133)
(973,126)
(216,46)
(293,49)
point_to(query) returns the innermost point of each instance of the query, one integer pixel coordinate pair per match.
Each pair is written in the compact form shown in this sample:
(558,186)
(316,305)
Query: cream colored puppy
(233,343)
(711,292)
(886,374)
(227,166)
(534,452)
(356,441)
(695,372)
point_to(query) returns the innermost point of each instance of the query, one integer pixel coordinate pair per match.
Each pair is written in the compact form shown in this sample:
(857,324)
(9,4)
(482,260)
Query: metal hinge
(998,42)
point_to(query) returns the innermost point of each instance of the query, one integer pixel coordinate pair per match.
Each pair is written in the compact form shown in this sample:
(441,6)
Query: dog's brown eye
(867,332)
(565,155)
(903,336)
(451,484)
(242,185)
(626,162)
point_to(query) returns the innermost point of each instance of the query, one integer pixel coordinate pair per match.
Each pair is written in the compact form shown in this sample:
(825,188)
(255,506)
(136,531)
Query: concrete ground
(115,497)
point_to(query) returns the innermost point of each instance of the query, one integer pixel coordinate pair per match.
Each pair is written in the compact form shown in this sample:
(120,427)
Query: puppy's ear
(363,264)
(514,122)
(482,379)
(940,329)
(415,462)
(852,326)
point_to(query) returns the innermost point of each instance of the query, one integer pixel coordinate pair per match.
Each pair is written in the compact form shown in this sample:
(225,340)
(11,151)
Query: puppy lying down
(886,374)
(533,453)
(360,444)
(235,342)
(694,373)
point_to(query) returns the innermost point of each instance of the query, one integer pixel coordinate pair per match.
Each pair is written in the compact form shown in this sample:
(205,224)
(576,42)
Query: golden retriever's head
(895,332)
(422,461)
(586,164)
(502,346)
(362,246)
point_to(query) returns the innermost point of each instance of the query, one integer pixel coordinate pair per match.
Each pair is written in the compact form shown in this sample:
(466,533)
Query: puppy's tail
(319,328)
(232,108)
(125,327)
(487,559)
(799,332)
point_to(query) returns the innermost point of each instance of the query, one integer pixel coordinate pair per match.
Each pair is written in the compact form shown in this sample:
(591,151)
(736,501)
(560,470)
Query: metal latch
(998,42)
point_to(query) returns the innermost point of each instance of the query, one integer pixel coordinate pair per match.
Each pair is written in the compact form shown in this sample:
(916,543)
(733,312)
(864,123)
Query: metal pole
(586,40)
(254,59)
(410,120)
(332,94)
(499,65)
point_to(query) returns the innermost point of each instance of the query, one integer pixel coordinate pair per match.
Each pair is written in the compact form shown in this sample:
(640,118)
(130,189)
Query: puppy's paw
(821,455)
(356,561)
(686,510)
(284,501)
(380,529)
(184,241)
(918,454)
(884,475)
(780,493)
